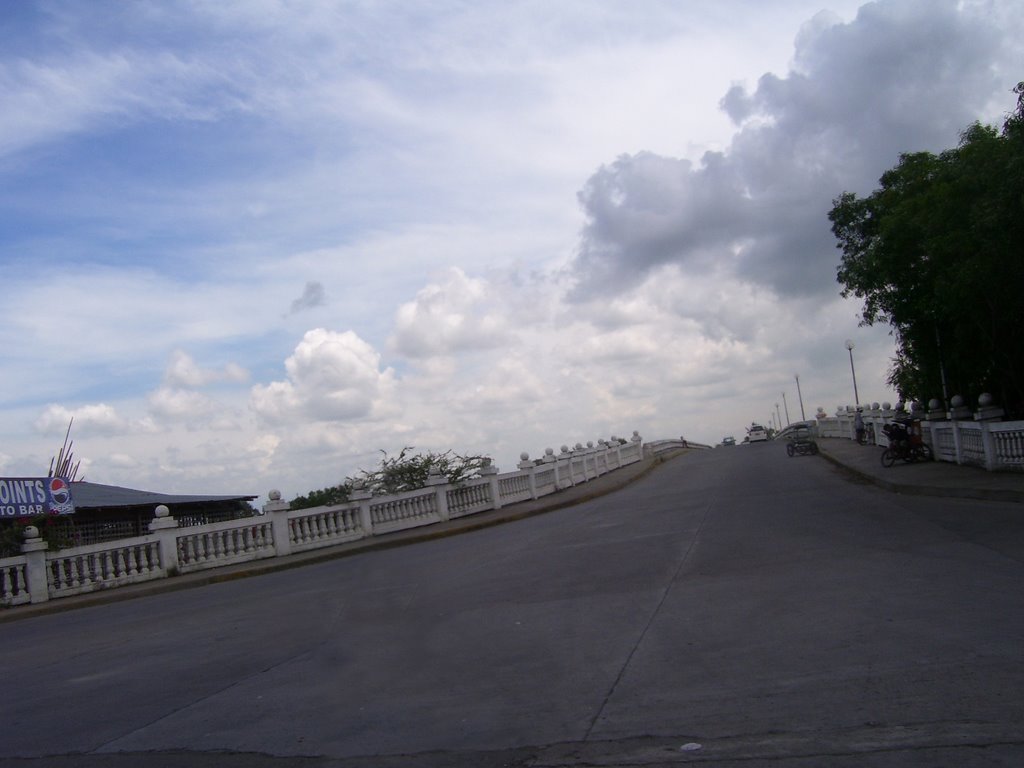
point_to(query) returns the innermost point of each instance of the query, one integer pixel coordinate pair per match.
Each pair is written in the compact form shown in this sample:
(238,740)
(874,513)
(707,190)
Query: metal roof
(93,495)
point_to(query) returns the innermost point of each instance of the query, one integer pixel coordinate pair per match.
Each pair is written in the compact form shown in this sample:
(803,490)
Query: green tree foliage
(937,252)
(404,472)
(325,497)
(56,530)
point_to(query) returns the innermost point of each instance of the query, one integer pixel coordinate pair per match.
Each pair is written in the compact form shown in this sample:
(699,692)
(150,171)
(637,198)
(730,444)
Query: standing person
(858,426)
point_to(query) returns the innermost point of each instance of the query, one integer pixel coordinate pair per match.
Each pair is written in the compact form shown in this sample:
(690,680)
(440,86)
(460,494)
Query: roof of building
(94,495)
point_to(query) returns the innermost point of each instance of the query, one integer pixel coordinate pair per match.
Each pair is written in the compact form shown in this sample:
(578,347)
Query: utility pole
(786,406)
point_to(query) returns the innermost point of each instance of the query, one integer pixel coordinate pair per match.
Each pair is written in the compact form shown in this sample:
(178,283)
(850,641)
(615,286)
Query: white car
(757,433)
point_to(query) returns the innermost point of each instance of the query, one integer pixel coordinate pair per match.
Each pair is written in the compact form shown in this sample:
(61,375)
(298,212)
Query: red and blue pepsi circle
(59,491)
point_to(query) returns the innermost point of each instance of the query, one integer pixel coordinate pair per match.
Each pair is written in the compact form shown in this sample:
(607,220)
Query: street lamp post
(803,416)
(778,420)
(856,397)
(786,406)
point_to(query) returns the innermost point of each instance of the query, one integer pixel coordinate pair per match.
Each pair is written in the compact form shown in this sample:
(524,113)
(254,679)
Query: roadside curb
(979,494)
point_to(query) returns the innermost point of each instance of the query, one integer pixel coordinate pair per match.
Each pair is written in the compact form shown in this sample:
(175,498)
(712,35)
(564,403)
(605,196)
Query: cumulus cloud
(456,314)
(903,76)
(330,377)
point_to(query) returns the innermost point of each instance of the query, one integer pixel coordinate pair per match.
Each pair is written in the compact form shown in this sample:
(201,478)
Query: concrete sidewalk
(936,478)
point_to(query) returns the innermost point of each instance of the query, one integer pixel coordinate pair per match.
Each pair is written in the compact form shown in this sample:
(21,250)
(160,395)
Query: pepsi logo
(59,490)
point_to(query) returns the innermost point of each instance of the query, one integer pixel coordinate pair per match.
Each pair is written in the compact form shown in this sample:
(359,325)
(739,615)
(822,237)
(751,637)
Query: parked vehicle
(756,433)
(800,441)
(905,443)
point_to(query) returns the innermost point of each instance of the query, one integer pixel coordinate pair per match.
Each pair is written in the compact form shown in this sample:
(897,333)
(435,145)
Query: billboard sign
(31,496)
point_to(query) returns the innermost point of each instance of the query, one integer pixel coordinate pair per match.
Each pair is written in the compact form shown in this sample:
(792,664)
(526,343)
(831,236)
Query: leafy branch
(395,474)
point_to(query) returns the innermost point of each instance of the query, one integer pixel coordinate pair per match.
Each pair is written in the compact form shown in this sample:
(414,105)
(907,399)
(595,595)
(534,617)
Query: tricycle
(801,441)
(906,443)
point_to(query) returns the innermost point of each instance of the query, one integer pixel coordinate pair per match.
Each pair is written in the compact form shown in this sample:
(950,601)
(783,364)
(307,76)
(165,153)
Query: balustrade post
(363,497)
(639,443)
(936,410)
(564,461)
(491,473)
(527,466)
(165,528)
(959,410)
(846,429)
(579,456)
(34,550)
(602,453)
(988,412)
(958,452)
(439,483)
(988,441)
(549,458)
(987,409)
(617,444)
(278,510)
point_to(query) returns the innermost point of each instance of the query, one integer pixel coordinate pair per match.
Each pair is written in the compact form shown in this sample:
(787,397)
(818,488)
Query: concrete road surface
(735,607)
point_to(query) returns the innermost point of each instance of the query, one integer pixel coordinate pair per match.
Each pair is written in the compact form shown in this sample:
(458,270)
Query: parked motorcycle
(905,443)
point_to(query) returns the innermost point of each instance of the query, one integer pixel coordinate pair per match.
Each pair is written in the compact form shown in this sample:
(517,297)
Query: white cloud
(88,419)
(860,94)
(456,315)
(196,410)
(183,371)
(331,376)
(123,461)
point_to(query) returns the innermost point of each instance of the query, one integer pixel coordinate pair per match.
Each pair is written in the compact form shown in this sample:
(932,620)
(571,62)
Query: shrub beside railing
(37,575)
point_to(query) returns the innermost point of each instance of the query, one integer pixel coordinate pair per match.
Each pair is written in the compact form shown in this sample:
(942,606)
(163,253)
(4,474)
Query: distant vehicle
(728,441)
(757,433)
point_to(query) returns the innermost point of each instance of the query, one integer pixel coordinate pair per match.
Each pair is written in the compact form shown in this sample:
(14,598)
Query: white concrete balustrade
(959,435)
(38,575)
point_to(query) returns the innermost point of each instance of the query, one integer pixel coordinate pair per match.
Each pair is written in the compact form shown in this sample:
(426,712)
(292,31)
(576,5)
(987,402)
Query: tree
(937,253)
(395,474)
(336,494)
(408,473)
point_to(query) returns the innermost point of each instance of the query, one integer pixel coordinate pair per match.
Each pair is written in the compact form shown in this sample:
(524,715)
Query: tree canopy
(937,253)
(395,474)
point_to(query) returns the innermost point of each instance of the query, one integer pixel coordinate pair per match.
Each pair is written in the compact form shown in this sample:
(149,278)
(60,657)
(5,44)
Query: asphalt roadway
(732,607)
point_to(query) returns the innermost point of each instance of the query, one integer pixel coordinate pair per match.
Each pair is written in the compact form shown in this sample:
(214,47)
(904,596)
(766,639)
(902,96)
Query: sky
(249,246)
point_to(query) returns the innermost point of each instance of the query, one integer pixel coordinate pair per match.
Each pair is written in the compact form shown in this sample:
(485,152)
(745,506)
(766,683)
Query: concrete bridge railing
(960,435)
(38,575)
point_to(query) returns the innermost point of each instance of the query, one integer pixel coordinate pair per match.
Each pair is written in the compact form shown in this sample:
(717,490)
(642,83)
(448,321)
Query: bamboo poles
(64,464)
